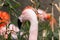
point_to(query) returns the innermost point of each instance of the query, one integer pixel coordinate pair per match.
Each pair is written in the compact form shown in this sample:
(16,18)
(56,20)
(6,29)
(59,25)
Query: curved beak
(19,23)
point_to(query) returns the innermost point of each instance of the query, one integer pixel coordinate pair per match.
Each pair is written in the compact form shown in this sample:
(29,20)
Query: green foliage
(1,37)
(9,37)
(11,7)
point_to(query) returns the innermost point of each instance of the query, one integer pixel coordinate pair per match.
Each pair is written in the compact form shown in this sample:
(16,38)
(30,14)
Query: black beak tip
(19,23)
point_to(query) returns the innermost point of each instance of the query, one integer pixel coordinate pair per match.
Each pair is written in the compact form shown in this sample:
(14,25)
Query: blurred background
(15,7)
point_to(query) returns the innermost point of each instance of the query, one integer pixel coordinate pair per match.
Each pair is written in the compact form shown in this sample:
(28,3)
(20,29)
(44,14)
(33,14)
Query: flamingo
(29,14)
(42,15)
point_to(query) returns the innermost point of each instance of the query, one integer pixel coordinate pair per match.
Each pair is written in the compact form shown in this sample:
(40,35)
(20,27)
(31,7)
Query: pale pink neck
(33,31)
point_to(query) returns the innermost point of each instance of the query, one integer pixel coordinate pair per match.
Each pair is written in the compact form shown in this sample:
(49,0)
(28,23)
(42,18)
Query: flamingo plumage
(42,15)
(29,14)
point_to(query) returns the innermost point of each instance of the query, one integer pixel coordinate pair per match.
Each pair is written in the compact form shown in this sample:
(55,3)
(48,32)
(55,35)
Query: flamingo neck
(33,30)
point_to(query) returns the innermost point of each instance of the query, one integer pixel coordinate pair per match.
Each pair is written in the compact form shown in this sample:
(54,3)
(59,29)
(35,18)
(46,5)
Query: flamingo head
(27,14)
(42,15)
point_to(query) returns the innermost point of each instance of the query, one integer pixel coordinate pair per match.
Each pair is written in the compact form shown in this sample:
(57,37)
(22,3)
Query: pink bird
(42,15)
(29,14)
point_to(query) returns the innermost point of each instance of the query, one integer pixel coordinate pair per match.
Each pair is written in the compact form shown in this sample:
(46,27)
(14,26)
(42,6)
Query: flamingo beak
(19,23)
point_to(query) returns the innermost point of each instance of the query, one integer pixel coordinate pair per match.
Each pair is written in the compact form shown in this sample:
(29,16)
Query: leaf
(19,37)
(1,3)
(1,37)
(16,2)
(9,37)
